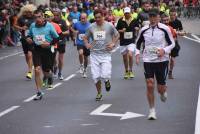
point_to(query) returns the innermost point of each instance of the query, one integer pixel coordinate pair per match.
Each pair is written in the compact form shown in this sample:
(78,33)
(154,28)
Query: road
(68,108)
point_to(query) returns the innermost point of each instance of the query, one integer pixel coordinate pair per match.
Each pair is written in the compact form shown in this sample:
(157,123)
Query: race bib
(99,35)
(128,35)
(152,50)
(39,39)
(80,36)
(75,20)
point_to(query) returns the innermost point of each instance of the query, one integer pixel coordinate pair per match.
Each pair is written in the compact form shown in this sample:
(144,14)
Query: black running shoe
(38,96)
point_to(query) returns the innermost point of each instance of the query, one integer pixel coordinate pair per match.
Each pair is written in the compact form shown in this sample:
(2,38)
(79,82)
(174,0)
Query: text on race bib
(39,39)
(99,35)
(128,35)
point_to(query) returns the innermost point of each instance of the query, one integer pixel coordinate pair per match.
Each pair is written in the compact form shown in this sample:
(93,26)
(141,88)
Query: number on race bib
(99,35)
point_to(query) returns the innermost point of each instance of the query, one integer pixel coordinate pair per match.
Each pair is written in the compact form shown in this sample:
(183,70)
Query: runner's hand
(88,46)
(29,40)
(110,46)
(161,52)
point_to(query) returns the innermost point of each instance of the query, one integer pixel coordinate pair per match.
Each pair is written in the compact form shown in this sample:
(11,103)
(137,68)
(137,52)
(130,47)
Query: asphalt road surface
(70,108)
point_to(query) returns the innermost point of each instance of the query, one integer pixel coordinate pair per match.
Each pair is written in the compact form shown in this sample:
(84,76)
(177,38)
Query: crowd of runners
(150,29)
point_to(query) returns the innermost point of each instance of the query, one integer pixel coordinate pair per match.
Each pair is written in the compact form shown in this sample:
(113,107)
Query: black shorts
(43,57)
(175,50)
(26,47)
(86,52)
(61,48)
(159,70)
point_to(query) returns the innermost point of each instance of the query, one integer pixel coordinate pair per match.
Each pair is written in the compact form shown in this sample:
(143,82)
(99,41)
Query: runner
(48,81)
(43,35)
(23,23)
(127,27)
(104,37)
(79,29)
(62,43)
(158,42)
(177,25)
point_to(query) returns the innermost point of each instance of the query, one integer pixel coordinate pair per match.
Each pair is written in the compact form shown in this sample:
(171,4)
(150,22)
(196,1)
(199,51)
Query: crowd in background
(9,12)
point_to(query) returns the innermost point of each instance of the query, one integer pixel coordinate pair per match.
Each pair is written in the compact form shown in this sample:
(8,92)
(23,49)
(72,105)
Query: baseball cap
(49,13)
(127,10)
(64,10)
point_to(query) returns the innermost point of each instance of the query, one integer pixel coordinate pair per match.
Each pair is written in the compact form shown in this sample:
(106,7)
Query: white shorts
(124,49)
(100,67)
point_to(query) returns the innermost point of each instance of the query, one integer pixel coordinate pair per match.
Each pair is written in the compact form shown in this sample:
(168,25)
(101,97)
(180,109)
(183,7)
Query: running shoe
(44,83)
(131,74)
(163,97)
(170,76)
(152,114)
(50,87)
(99,97)
(29,75)
(126,75)
(50,83)
(107,85)
(84,75)
(60,77)
(38,96)
(81,69)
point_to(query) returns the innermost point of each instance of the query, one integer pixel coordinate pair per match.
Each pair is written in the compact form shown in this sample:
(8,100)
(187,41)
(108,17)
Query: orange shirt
(58,30)
(173,32)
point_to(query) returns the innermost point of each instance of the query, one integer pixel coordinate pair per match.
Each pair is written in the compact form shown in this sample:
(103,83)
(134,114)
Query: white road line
(29,99)
(69,77)
(196,37)
(89,124)
(4,57)
(8,110)
(54,86)
(197,128)
(198,41)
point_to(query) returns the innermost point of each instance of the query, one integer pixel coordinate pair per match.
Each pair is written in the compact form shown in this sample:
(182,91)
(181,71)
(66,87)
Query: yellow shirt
(118,13)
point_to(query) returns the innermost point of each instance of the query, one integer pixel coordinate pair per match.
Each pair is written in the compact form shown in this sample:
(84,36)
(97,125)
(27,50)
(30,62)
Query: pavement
(70,108)
(191,25)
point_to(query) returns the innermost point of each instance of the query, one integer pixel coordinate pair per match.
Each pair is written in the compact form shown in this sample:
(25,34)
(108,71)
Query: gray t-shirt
(100,37)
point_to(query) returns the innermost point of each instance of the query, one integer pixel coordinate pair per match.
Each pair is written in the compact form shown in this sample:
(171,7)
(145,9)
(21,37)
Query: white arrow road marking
(8,110)
(197,128)
(127,115)
(196,37)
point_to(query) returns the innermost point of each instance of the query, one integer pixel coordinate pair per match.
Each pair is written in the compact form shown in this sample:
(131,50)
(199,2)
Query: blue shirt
(82,28)
(44,33)
(75,16)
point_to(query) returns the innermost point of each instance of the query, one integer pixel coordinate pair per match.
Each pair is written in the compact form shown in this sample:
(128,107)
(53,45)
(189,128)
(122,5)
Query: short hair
(98,11)
(38,11)
(164,15)
(172,10)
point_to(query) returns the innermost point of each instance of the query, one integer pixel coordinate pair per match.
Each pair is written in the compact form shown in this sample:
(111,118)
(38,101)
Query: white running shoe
(163,97)
(84,74)
(81,69)
(152,114)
